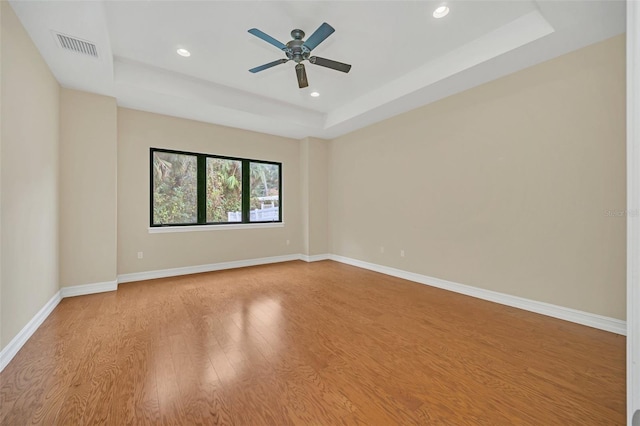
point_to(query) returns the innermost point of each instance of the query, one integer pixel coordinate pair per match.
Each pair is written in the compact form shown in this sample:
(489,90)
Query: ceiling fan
(298,50)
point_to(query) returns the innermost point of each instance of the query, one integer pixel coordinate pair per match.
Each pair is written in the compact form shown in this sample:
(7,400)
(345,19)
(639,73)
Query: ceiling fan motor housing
(296,51)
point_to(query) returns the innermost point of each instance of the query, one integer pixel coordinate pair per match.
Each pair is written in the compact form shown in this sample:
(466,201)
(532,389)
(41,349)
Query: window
(265,191)
(200,189)
(224,190)
(175,188)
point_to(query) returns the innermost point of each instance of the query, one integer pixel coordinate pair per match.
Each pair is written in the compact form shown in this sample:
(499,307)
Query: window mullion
(202,189)
(246,191)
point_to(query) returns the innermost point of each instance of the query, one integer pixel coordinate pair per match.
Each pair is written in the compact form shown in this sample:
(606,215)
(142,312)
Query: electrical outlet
(288,242)
(140,255)
(381,249)
(401,253)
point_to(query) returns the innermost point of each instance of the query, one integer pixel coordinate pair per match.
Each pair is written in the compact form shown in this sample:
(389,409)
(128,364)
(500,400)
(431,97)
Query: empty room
(320,212)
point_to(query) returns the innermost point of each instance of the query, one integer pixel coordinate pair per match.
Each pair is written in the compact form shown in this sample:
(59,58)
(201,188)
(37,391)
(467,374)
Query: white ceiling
(402,57)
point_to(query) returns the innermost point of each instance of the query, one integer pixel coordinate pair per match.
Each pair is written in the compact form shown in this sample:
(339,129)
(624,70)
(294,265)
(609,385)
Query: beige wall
(88,167)
(29,176)
(314,199)
(503,187)
(137,132)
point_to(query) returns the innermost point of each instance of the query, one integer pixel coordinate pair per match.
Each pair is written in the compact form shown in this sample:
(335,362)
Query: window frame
(201,182)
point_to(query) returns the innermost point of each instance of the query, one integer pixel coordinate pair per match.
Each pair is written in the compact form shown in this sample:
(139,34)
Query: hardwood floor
(310,344)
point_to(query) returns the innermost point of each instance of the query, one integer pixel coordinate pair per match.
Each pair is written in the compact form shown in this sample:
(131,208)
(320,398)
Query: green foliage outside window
(224,188)
(265,180)
(189,188)
(175,188)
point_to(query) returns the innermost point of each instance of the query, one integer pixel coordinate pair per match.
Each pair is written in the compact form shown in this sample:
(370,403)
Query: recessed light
(314,94)
(441,12)
(183,52)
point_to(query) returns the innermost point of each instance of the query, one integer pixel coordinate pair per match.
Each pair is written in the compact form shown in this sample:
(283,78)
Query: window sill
(225,227)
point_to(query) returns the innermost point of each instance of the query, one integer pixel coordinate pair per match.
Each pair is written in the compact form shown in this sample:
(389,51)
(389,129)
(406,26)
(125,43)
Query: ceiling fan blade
(269,65)
(266,37)
(335,65)
(302,76)
(323,31)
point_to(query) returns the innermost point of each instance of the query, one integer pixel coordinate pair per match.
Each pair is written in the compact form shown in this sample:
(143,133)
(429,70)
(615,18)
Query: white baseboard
(27,331)
(592,320)
(81,290)
(580,317)
(164,273)
(314,257)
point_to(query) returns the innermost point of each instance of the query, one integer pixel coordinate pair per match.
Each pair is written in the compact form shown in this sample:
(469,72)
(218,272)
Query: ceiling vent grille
(76,45)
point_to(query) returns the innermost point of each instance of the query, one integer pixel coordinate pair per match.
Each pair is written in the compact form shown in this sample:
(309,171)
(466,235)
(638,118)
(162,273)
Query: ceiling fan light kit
(298,50)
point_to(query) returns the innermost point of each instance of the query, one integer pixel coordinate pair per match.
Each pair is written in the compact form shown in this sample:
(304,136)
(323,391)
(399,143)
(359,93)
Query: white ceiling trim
(200,110)
(148,88)
(480,41)
(513,35)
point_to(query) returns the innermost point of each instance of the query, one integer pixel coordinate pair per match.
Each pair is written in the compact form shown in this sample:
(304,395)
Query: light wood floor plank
(308,344)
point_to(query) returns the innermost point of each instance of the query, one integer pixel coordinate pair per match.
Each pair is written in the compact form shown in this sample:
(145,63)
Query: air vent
(76,45)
